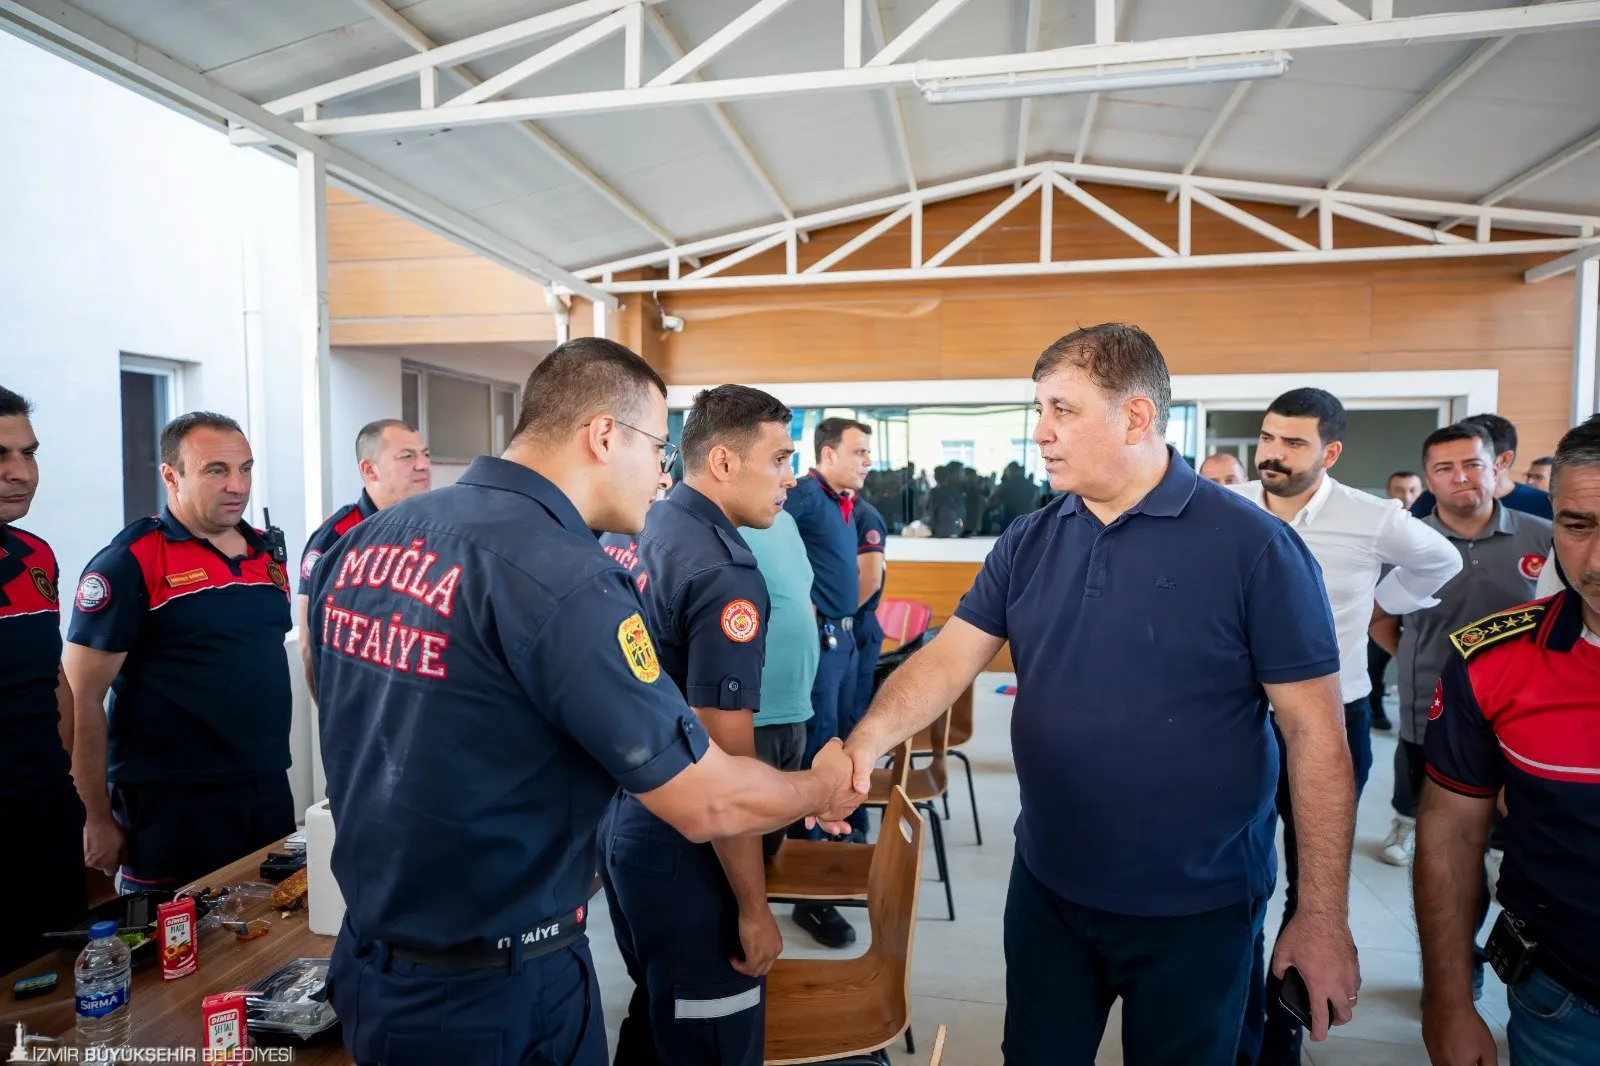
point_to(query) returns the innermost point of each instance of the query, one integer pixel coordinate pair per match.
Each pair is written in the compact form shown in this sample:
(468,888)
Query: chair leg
(911,1042)
(939,856)
(972,792)
(947,805)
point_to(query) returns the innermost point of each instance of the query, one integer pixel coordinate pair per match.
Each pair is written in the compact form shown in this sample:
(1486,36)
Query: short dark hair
(178,430)
(1543,460)
(1579,446)
(13,404)
(830,432)
(1502,434)
(731,415)
(369,441)
(1313,403)
(1405,473)
(1120,359)
(581,378)
(1462,430)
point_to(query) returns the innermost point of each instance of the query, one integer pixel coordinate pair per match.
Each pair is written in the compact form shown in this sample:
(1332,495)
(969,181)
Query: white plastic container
(325,902)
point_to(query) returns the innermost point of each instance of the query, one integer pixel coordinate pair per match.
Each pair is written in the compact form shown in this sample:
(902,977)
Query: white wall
(365,388)
(123,228)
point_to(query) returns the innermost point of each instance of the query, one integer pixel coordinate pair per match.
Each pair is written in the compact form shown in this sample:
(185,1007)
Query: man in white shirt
(1354,536)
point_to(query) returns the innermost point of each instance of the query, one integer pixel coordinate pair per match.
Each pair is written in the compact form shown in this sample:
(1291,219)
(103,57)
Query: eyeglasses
(669,450)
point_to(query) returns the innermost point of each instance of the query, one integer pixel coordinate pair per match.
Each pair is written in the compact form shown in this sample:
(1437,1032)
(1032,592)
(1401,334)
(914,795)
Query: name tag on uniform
(188,577)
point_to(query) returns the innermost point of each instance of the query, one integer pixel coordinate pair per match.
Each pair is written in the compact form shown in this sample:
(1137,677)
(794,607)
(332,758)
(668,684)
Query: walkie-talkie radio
(275,543)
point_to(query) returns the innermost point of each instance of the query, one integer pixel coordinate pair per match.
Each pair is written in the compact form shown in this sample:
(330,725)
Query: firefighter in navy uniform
(486,681)
(699,939)
(394,464)
(871,531)
(1516,715)
(183,619)
(38,806)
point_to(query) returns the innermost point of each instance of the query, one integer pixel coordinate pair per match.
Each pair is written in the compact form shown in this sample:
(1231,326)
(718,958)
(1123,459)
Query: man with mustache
(1354,537)
(182,618)
(698,939)
(1518,709)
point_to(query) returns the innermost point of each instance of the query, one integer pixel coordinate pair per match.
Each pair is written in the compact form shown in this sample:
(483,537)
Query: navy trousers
(544,1012)
(1272,1037)
(832,695)
(1182,980)
(677,926)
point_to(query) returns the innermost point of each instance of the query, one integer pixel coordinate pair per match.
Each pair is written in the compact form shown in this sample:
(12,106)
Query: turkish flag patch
(740,621)
(1438,701)
(1531,566)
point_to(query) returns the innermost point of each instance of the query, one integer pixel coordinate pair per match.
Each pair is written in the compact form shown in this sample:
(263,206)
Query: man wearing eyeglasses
(487,681)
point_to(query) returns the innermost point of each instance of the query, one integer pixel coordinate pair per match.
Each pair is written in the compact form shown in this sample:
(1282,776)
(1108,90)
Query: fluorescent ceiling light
(1245,66)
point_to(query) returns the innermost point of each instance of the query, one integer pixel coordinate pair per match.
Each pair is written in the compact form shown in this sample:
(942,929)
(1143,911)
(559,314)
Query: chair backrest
(961,718)
(892,886)
(903,620)
(900,764)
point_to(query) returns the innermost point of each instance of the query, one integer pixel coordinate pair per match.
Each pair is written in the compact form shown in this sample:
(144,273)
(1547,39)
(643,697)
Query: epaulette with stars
(1498,628)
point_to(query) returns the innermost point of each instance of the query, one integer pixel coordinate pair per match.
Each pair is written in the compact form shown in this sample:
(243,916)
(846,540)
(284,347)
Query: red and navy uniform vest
(203,694)
(327,535)
(31,755)
(1518,707)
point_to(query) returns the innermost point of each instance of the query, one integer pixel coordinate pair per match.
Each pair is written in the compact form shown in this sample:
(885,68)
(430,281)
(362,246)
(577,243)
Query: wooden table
(167,1013)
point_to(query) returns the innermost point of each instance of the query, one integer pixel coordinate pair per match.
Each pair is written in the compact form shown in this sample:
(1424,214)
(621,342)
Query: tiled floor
(959,974)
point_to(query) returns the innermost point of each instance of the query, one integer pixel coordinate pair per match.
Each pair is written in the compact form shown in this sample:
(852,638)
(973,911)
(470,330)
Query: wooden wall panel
(940,586)
(1418,315)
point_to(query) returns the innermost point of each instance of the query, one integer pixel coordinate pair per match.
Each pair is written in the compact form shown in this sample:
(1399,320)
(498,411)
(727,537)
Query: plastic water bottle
(104,973)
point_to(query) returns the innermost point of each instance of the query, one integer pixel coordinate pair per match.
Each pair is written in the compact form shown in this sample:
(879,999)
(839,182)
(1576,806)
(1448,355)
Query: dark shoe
(825,924)
(1380,721)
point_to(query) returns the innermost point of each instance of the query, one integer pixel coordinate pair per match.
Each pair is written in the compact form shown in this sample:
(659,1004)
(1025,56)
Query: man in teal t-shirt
(792,648)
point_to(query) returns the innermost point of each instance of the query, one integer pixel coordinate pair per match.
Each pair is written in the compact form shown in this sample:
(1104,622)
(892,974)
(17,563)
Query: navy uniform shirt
(1524,498)
(830,545)
(1518,708)
(485,681)
(870,533)
(31,755)
(338,524)
(704,599)
(1140,728)
(203,694)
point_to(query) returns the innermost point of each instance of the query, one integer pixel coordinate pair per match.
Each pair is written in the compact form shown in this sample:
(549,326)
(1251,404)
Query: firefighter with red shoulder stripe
(394,463)
(1517,710)
(40,810)
(182,618)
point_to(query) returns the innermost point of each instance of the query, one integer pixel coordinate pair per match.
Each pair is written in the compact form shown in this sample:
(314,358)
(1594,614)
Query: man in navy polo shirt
(183,617)
(1151,615)
(488,680)
(823,504)
(698,939)
(872,570)
(394,464)
(41,812)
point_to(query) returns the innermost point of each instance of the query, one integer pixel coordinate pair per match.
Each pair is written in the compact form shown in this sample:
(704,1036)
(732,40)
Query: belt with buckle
(541,938)
(845,624)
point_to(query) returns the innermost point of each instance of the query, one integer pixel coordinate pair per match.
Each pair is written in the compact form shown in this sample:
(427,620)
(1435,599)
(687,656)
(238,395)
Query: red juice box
(175,929)
(222,1016)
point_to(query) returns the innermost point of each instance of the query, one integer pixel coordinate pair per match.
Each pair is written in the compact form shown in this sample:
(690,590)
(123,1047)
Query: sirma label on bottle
(103,1004)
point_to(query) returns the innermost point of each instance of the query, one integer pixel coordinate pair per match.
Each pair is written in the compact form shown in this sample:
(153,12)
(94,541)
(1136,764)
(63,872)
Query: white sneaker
(1402,838)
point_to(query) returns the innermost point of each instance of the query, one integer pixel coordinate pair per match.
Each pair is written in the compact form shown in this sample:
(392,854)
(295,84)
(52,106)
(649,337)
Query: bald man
(1224,468)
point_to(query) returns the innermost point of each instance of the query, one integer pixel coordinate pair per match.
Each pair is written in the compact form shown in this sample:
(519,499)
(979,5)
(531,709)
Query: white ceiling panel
(1541,93)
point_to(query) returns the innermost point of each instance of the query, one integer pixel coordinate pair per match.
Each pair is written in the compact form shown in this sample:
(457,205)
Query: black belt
(846,624)
(541,938)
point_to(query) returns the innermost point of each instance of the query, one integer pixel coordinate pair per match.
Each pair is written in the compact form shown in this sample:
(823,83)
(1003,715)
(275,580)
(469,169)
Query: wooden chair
(960,733)
(937,1058)
(849,1010)
(925,785)
(810,871)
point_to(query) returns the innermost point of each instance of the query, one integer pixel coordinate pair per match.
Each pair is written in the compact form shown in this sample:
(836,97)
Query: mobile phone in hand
(1296,997)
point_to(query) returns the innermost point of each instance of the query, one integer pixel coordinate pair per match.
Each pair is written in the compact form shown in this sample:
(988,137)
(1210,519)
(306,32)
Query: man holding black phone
(1518,709)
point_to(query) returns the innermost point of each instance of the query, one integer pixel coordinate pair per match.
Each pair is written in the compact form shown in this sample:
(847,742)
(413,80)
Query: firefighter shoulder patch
(637,649)
(1497,628)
